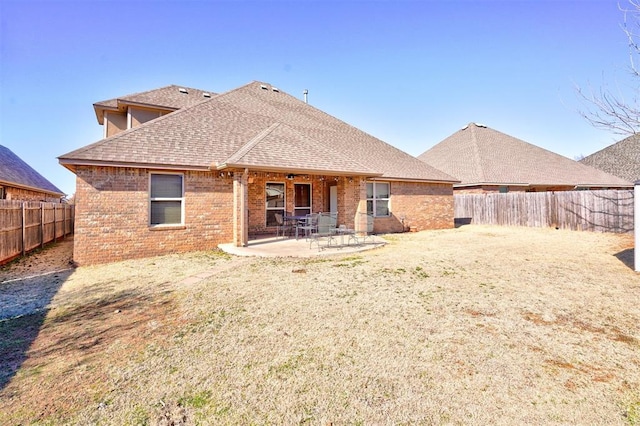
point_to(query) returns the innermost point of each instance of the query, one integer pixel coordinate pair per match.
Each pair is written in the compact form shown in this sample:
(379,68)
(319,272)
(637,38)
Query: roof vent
(263,87)
(275,89)
(182,90)
(206,95)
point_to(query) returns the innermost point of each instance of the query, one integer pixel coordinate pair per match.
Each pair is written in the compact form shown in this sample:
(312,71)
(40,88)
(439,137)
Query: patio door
(333,199)
(301,199)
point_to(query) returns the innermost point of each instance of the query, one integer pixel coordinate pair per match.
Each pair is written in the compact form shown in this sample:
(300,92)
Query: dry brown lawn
(476,325)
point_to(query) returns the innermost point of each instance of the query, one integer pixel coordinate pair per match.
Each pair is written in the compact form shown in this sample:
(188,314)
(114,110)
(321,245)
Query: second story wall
(116,122)
(142,115)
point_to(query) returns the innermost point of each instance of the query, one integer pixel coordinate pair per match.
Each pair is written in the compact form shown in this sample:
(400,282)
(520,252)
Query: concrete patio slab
(290,247)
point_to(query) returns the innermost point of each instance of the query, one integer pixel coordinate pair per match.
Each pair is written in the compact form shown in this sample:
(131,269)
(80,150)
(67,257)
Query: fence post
(636,225)
(41,225)
(55,228)
(24,228)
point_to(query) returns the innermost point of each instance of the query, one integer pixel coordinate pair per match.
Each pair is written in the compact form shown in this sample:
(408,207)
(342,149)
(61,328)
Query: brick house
(183,169)
(19,181)
(486,160)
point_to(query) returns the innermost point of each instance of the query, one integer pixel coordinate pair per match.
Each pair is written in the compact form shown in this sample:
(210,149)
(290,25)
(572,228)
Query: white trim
(129,119)
(105,121)
(181,199)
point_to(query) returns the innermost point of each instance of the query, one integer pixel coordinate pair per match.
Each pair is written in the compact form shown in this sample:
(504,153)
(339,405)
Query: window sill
(166,227)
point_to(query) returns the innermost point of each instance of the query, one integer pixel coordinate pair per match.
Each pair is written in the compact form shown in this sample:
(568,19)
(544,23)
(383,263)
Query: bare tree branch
(610,110)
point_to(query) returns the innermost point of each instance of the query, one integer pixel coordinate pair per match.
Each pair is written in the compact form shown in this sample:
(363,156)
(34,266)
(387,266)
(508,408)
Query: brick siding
(20,194)
(112,210)
(490,189)
(112,215)
(418,205)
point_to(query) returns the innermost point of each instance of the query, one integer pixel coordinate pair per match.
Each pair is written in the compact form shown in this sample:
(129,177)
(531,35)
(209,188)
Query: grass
(443,327)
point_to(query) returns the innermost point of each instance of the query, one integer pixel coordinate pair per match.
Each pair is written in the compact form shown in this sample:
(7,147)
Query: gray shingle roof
(15,172)
(477,154)
(256,126)
(169,97)
(621,159)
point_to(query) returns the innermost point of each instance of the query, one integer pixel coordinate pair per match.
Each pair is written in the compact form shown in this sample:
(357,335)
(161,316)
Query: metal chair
(308,225)
(363,229)
(283,225)
(327,226)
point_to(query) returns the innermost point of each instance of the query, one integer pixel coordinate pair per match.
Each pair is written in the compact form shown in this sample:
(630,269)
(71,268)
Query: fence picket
(25,226)
(599,211)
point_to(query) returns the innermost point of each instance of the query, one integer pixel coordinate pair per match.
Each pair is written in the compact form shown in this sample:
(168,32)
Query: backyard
(475,325)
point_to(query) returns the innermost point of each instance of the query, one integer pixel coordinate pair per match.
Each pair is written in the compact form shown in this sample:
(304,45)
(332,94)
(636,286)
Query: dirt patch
(56,256)
(477,325)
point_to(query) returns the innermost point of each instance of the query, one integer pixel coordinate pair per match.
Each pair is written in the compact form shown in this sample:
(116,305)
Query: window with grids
(166,196)
(378,198)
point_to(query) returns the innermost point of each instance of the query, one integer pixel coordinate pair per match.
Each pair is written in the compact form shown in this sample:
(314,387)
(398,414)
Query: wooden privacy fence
(601,211)
(26,225)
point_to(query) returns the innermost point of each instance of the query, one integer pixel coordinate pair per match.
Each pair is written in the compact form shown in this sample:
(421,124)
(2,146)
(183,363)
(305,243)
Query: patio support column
(240,209)
(360,220)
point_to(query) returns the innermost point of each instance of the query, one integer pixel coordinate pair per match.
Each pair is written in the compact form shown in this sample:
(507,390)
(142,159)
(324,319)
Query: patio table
(296,219)
(342,231)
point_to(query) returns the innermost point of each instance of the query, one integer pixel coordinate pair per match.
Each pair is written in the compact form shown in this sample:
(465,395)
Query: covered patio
(272,246)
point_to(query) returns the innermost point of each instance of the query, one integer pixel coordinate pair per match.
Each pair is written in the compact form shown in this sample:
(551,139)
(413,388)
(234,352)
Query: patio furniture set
(323,230)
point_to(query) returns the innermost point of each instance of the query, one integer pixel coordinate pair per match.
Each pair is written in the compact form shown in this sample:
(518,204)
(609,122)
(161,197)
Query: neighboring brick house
(621,159)
(19,181)
(485,160)
(220,167)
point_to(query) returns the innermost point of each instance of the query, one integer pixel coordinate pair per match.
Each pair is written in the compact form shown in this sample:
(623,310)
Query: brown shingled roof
(15,172)
(621,159)
(479,155)
(255,126)
(169,97)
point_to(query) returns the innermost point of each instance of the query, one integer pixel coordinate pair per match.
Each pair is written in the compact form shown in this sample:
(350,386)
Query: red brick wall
(112,215)
(421,205)
(26,195)
(424,205)
(257,197)
(483,189)
(112,210)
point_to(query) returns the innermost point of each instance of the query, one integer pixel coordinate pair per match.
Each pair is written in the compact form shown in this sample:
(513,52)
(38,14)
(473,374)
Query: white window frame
(181,199)
(374,200)
(267,209)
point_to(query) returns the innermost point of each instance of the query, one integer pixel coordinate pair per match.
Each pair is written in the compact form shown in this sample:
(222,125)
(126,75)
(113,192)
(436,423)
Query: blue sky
(408,72)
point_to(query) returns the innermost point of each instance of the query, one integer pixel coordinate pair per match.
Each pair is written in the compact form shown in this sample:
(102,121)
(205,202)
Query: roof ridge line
(327,147)
(476,149)
(244,149)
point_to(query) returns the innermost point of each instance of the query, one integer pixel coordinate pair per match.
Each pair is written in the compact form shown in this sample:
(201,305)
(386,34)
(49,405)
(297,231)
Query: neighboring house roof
(478,155)
(255,126)
(621,159)
(170,98)
(15,172)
